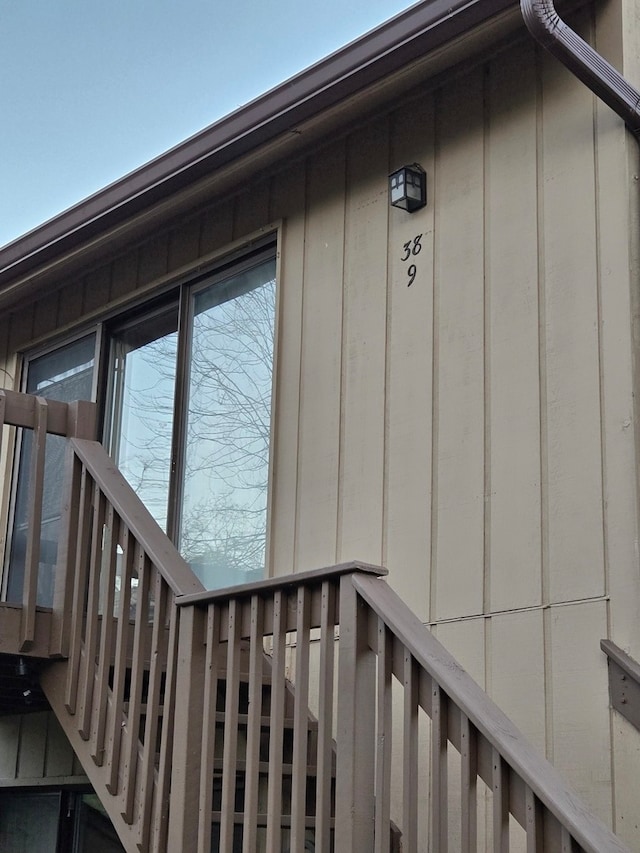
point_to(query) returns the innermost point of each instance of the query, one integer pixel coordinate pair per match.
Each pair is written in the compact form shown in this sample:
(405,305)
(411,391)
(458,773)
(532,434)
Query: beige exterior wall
(473,432)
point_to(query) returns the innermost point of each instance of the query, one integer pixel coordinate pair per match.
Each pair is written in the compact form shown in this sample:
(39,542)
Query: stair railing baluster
(300,720)
(116,720)
(276,723)
(355,771)
(230,751)
(209,726)
(134,711)
(107,601)
(157,665)
(384,739)
(325,802)
(254,715)
(86,684)
(468,786)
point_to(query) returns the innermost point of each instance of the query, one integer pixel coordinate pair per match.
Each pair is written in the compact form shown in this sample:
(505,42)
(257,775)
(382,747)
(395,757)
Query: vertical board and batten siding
(473,431)
(35,751)
(410,398)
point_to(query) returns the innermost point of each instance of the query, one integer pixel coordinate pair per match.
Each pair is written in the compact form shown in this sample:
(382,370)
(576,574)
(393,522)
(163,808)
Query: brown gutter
(405,38)
(547,28)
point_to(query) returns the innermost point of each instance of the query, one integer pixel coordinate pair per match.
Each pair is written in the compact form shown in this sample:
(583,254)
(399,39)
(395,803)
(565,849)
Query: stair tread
(261,819)
(263,767)
(265,721)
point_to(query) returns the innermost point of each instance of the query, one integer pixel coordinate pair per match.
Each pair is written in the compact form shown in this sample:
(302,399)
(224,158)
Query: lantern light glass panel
(408,188)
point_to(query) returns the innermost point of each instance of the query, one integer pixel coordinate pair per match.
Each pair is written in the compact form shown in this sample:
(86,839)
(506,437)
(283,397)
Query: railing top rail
(173,568)
(536,772)
(270,585)
(20,411)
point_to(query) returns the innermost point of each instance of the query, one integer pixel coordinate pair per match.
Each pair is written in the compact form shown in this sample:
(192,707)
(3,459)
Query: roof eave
(405,38)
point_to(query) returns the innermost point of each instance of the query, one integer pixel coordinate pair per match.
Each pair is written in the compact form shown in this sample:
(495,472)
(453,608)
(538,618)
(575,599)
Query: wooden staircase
(306,712)
(56,675)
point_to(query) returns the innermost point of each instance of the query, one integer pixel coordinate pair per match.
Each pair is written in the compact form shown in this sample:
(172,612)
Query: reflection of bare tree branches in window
(227,432)
(227,442)
(144,435)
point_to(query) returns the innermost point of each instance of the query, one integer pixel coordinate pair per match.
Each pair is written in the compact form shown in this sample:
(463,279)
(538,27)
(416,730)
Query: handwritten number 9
(411,272)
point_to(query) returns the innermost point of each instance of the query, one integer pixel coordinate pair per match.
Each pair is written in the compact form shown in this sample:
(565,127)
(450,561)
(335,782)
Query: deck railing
(403,712)
(180,704)
(22,414)
(122,646)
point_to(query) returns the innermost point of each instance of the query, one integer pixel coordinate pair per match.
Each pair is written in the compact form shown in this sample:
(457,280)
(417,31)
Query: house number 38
(410,249)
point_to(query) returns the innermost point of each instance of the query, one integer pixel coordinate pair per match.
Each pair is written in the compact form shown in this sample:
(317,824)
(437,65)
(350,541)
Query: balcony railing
(42,418)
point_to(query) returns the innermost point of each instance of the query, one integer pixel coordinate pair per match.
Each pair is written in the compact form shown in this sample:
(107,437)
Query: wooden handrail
(281,582)
(537,774)
(20,410)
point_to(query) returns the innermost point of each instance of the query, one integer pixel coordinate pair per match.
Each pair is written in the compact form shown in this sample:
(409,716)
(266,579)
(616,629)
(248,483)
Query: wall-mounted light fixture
(408,188)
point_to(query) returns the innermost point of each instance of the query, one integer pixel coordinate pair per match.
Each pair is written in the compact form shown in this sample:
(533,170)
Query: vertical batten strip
(249,834)
(114,735)
(130,762)
(84,528)
(500,804)
(230,749)
(211,673)
(469,785)
(410,754)
(384,729)
(93,603)
(107,599)
(325,719)
(34,525)
(439,781)
(300,721)
(276,724)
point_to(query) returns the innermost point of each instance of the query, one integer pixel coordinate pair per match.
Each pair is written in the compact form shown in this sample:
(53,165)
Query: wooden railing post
(355,757)
(188,735)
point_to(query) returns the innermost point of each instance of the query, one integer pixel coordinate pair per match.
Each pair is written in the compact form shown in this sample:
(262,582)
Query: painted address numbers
(409,250)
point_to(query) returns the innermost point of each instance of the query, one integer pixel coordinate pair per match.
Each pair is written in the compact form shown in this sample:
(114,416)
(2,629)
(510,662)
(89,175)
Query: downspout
(547,28)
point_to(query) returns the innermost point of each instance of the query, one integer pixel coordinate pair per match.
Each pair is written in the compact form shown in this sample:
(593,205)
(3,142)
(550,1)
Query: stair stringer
(53,680)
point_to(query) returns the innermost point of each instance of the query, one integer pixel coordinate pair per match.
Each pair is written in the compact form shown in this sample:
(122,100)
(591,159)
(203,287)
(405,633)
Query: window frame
(181,286)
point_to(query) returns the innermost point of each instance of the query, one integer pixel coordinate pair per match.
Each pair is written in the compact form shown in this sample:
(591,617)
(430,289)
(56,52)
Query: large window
(187,414)
(190,412)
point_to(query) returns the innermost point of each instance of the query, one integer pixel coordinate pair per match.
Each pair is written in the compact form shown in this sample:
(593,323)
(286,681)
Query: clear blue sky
(91,89)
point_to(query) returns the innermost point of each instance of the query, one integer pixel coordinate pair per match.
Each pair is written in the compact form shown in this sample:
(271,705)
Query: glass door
(142,395)
(190,417)
(227,414)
